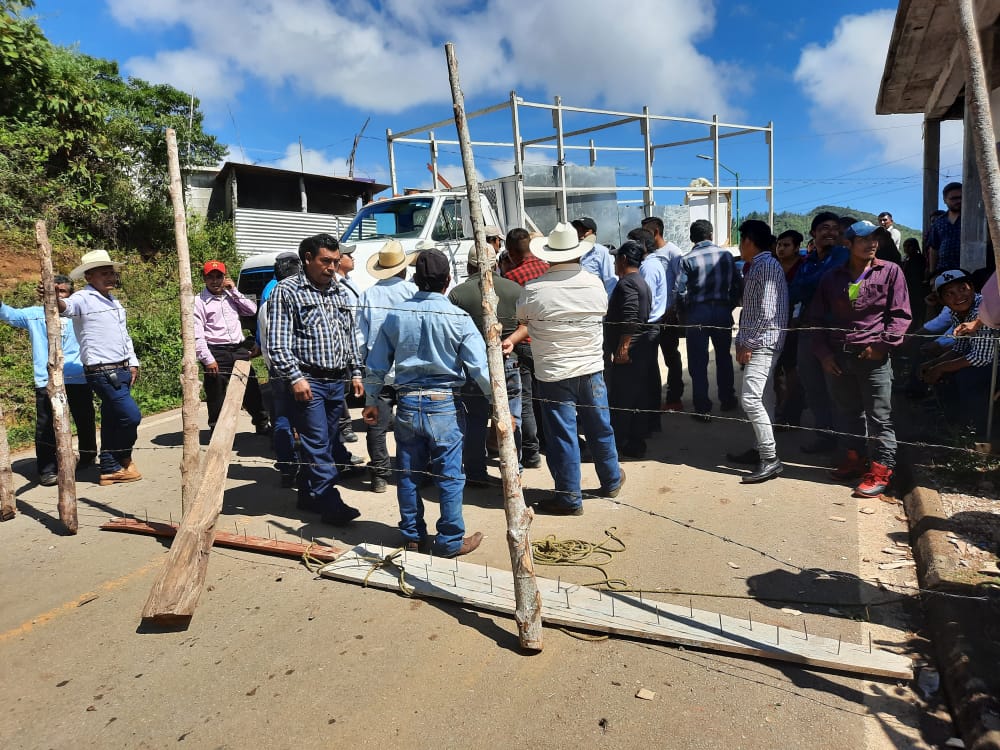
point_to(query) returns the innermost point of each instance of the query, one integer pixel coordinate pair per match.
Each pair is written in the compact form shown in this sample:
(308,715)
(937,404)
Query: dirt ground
(276,657)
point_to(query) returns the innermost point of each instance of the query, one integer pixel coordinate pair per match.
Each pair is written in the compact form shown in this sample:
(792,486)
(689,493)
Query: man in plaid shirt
(758,343)
(963,372)
(525,267)
(312,342)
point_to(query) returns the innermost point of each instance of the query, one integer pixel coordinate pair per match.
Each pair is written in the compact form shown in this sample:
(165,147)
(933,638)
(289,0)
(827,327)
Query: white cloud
(389,58)
(841,80)
(204,75)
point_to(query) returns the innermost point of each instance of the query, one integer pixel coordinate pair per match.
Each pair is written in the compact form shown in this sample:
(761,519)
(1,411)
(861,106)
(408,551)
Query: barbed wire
(819,573)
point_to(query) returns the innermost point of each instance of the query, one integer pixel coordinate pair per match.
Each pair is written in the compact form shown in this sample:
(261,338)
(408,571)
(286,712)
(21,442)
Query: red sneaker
(673,406)
(852,467)
(874,482)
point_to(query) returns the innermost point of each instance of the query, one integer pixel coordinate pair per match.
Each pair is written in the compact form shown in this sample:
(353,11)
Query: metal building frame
(717,131)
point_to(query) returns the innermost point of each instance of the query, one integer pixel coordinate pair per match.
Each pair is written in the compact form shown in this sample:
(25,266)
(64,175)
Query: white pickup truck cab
(439,218)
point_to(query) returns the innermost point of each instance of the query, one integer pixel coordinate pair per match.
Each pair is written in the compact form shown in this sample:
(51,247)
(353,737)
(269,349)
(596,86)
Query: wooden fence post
(178,586)
(8,508)
(65,457)
(528,602)
(191,456)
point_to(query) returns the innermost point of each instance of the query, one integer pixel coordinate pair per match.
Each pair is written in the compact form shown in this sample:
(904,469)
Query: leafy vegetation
(84,148)
(801,222)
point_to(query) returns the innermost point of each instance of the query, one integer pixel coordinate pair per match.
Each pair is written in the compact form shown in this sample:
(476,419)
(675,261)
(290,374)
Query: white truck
(438,218)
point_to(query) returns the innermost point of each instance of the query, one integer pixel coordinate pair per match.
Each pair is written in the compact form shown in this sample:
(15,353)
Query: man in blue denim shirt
(78,393)
(435,347)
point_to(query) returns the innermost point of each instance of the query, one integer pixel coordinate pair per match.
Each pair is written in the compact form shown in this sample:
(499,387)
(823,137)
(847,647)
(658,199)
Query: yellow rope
(580,553)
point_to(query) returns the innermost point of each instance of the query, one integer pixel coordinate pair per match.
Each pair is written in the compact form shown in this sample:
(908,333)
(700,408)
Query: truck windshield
(401,219)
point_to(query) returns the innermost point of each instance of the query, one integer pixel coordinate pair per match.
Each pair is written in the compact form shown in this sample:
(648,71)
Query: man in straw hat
(109,362)
(389,266)
(436,349)
(563,312)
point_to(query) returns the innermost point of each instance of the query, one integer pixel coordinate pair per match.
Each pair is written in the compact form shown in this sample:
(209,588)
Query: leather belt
(106,366)
(323,373)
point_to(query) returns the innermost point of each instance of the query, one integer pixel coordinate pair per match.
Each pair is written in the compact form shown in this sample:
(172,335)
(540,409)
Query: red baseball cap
(213,265)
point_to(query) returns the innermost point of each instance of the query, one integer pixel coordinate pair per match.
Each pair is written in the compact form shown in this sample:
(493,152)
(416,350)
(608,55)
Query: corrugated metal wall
(260,231)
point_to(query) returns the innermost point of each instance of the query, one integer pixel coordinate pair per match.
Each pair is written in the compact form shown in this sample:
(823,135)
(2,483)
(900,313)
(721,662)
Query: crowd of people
(583,327)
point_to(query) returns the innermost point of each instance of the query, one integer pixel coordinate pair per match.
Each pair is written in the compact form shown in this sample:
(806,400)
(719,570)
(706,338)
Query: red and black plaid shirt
(530,268)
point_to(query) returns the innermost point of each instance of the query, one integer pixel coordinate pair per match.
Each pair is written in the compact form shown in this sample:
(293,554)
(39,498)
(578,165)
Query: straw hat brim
(540,249)
(379,271)
(77,273)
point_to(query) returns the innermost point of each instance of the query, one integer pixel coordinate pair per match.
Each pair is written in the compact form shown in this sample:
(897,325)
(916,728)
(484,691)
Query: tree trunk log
(8,508)
(177,589)
(191,456)
(528,602)
(978,94)
(65,457)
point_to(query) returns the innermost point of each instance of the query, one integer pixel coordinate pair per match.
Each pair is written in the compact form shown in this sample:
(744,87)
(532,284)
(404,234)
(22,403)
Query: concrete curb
(956,625)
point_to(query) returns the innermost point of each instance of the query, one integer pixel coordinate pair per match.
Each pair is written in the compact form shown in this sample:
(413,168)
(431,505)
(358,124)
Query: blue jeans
(120,417)
(719,318)
(318,425)
(429,439)
(284,439)
(863,395)
(563,402)
(477,414)
(530,444)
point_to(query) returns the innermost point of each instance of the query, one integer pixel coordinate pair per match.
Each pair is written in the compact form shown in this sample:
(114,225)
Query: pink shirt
(217,320)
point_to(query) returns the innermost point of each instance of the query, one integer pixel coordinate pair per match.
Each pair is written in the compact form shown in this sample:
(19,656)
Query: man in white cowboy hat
(389,266)
(563,312)
(109,361)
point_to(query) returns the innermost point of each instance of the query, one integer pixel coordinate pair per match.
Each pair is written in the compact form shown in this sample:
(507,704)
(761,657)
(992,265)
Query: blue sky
(271,71)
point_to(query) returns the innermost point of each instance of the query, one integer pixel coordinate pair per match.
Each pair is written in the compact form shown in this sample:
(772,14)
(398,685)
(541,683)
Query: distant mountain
(800,222)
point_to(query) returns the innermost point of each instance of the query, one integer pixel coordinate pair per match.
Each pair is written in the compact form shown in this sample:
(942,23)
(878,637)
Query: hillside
(800,222)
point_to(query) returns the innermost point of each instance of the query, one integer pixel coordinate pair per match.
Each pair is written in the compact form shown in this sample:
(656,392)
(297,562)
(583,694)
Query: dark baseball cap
(585,222)
(431,270)
(632,251)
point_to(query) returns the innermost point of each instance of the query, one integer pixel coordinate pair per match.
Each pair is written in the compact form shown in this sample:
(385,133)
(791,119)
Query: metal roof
(338,185)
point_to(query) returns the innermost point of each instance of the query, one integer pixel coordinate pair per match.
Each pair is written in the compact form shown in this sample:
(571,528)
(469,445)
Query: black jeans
(530,424)
(81,406)
(216,385)
(670,346)
(626,395)
(375,438)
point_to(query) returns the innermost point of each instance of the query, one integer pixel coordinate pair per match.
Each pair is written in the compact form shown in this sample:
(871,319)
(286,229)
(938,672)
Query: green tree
(83,146)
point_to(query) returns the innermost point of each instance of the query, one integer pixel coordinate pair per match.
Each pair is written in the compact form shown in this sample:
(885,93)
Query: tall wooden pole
(65,458)
(8,508)
(977,97)
(191,456)
(528,602)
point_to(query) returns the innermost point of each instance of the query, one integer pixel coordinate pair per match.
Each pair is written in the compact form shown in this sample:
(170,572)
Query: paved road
(277,658)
